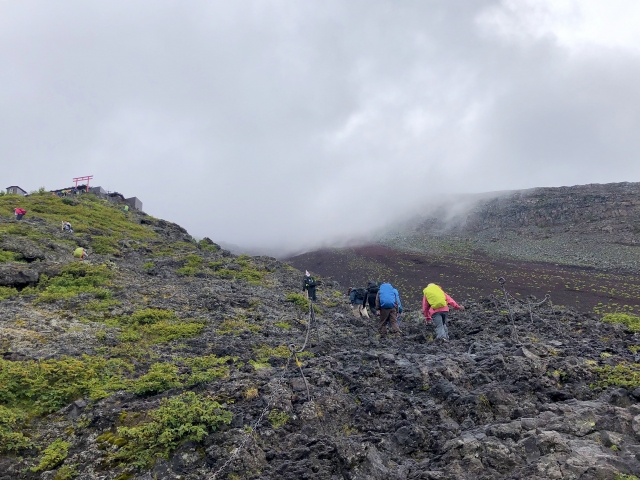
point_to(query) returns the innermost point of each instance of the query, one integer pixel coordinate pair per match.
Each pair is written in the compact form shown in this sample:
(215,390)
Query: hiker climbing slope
(370,297)
(356,297)
(435,306)
(309,286)
(387,301)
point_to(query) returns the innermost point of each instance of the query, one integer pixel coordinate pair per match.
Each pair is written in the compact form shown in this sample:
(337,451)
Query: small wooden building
(15,190)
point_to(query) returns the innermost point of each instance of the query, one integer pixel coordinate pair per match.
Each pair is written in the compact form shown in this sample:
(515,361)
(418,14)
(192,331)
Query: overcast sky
(291,124)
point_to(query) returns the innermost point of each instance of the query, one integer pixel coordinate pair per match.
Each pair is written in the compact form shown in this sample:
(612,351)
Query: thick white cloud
(291,124)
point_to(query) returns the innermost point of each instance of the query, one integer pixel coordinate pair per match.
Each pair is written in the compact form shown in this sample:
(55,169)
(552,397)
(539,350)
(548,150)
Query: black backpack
(309,282)
(360,294)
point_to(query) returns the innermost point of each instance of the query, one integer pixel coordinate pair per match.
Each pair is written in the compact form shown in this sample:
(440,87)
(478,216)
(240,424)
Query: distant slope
(579,244)
(585,225)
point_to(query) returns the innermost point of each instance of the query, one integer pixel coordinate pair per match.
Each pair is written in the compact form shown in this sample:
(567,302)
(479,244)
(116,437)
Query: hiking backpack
(387,296)
(435,296)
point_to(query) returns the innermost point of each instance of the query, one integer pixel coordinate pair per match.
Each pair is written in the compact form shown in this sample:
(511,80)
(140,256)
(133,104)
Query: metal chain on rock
(276,389)
(254,426)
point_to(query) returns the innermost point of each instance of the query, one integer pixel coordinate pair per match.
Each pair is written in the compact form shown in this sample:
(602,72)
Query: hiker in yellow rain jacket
(80,253)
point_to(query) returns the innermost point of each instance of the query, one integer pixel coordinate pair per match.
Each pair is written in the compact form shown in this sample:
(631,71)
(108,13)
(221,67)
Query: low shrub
(9,256)
(7,292)
(12,440)
(277,418)
(632,322)
(236,326)
(193,264)
(52,456)
(187,417)
(622,375)
(74,279)
(44,386)
(161,376)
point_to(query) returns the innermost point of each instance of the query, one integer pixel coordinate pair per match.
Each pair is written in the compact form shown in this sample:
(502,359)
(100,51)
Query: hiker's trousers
(388,315)
(440,322)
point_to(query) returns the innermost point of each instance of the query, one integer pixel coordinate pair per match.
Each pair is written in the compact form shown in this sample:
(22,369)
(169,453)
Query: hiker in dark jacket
(370,297)
(356,297)
(309,286)
(387,301)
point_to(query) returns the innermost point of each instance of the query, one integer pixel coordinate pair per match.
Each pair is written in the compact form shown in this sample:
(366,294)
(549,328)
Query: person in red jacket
(19,213)
(439,315)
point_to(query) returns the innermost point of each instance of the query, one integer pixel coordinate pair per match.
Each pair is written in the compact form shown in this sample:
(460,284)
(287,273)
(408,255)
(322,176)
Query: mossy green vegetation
(179,419)
(235,326)
(153,326)
(41,387)
(9,256)
(632,322)
(264,353)
(66,472)
(74,279)
(11,439)
(107,223)
(241,268)
(278,419)
(7,292)
(163,376)
(622,375)
(299,300)
(52,456)
(193,264)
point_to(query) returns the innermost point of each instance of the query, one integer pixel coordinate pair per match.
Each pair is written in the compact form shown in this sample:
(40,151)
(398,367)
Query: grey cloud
(286,125)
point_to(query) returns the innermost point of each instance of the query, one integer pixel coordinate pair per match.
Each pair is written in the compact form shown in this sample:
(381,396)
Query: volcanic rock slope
(596,226)
(162,357)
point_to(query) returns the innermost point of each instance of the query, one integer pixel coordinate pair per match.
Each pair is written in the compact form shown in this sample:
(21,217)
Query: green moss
(161,376)
(236,326)
(205,369)
(301,301)
(9,256)
(285,325)
(7,292)
(180,419)
(632,322)
(151,326)
(193,264)
(45,386)
(74,279)
(204,245)
(11,439)
(278,418)
(163,332)
(149,266)
(264,353)
(257,365)
(622,375)
(622,476)
(298,299)
(52,456)
(66,472)
(150,316)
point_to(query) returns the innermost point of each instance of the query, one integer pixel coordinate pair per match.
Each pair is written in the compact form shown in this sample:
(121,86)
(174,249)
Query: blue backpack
(387,296)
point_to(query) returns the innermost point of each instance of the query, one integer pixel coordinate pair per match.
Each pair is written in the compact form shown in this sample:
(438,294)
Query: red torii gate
(79,179)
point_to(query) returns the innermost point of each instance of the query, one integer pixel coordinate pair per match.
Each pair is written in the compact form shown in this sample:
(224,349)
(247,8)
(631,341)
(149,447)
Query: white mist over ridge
(285,126)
